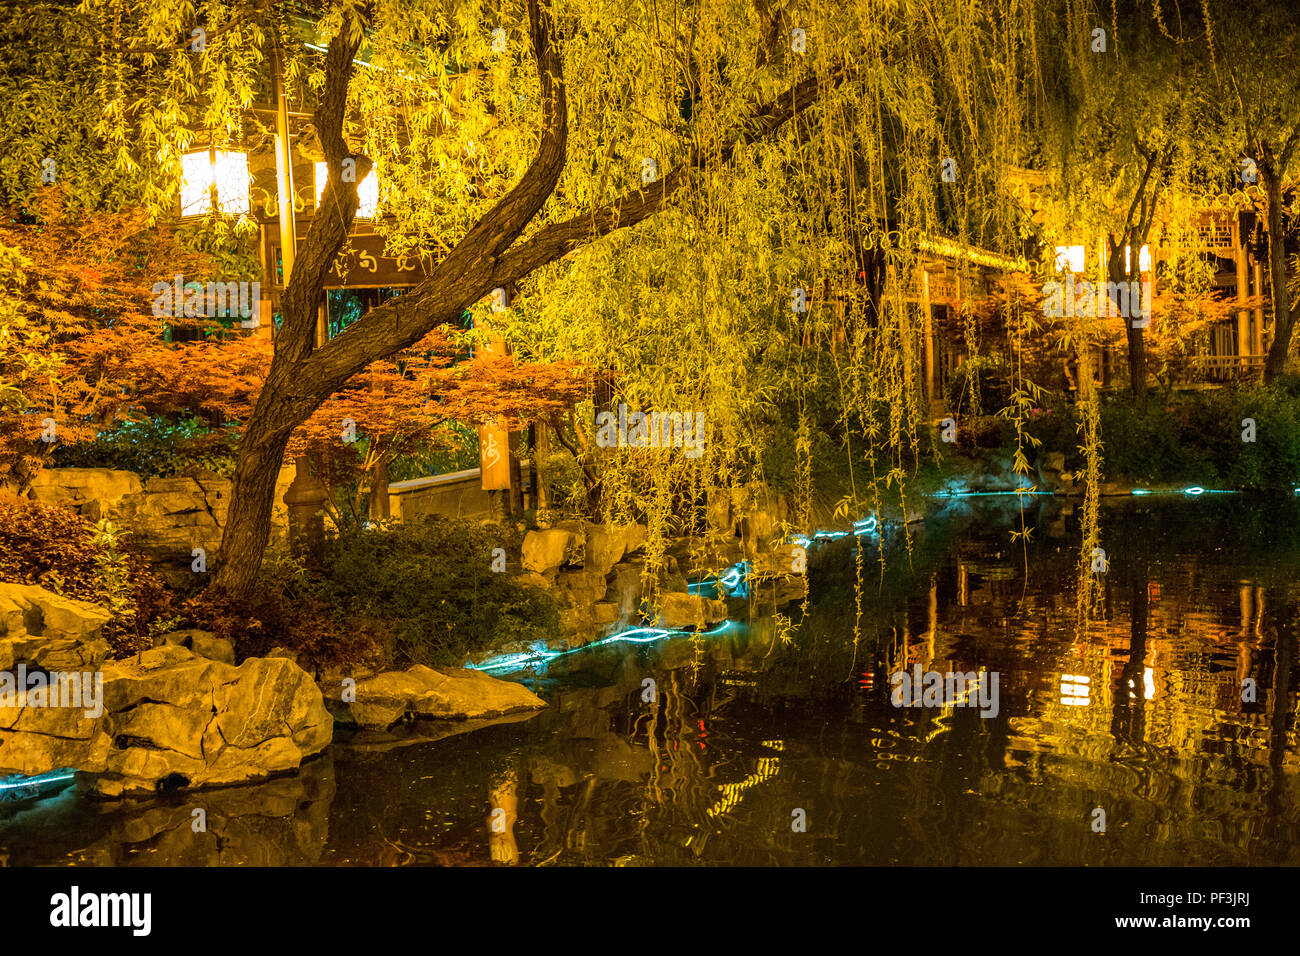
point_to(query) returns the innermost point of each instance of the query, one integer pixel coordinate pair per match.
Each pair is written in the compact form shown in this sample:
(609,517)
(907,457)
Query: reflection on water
(1140,713)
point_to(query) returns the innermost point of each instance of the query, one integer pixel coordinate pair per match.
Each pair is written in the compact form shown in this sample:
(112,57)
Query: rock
(717,551)
(760,510)
(578,529)
(169,717)
(44,630)
(625,588)
(756,530)
(204,644)
(530,579)
(608,544)
(690,610)
(1053,462)
(422,732)
(280,651)
(605,613)
(672,580)
(172,516)
(426,692)
(576,623)
(719,516)
(94,492)
(778,563)
(579,588)
(545,551)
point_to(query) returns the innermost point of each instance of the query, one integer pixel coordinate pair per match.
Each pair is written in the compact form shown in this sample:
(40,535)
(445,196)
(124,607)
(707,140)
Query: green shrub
(984,431)
(1191,438)
(155,447)
(568,491)
(988,377)
(432,583)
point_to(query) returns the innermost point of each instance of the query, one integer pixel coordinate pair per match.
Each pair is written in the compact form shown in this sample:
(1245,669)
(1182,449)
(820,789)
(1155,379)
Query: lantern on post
(214,179)
(304,499)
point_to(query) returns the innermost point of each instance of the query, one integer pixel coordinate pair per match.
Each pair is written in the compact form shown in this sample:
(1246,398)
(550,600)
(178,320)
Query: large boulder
(625,588)
(760,510)
(580,588)
(168,517)
(170,718)
(690,610)
(545,551)
(173,515)
(94,492)
(608,544)
(451,693)
(44,630)
(756,530)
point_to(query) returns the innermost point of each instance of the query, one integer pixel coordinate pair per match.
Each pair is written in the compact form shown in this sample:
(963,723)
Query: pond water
(765,746)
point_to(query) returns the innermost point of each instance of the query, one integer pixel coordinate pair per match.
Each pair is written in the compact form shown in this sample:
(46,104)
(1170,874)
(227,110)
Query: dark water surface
(1138,713)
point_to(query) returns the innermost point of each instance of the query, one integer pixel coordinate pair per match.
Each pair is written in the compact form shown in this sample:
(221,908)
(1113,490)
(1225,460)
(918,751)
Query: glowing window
(1144,258)
(1070,257)
(1075,690)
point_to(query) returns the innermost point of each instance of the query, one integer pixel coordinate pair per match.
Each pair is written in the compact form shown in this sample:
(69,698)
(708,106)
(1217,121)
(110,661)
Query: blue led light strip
(633,635)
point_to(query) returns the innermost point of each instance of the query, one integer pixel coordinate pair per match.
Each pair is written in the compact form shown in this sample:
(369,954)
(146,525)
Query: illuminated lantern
(214,179)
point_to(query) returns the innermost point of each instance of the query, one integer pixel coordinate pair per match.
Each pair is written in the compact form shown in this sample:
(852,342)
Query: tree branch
(484,259)
(338,205)
(468,272)
(555,241)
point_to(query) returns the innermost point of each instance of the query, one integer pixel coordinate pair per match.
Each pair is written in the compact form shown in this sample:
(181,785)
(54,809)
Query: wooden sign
(494,457)
(494,440)
(360,264)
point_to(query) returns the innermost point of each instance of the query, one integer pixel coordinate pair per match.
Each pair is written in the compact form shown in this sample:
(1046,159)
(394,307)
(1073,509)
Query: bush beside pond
(421,593)
(1193,438)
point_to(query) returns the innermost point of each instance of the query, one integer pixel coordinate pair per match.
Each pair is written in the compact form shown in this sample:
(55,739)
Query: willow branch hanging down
(480,262)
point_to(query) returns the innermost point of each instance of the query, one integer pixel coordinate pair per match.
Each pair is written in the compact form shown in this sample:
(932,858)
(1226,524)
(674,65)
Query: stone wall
(167,517)
(456,495)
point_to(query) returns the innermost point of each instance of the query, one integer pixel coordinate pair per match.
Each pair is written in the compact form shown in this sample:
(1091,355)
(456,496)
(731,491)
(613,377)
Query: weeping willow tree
(719,207)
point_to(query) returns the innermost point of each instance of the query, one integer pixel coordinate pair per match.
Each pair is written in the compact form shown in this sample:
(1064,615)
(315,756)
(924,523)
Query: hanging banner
(494,457)
(494,440)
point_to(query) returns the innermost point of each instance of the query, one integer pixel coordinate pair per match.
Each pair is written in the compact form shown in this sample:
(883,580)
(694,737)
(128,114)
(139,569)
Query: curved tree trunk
(248,524)
(489,255)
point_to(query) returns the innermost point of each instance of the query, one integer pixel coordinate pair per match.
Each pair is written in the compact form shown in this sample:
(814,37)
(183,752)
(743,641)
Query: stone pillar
(305,499)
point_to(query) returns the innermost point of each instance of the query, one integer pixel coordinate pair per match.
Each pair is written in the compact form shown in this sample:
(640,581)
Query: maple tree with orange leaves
(83,347)
(400,407)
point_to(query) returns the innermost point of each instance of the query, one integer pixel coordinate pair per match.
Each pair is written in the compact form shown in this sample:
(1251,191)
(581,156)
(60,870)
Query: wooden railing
(1219,368)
